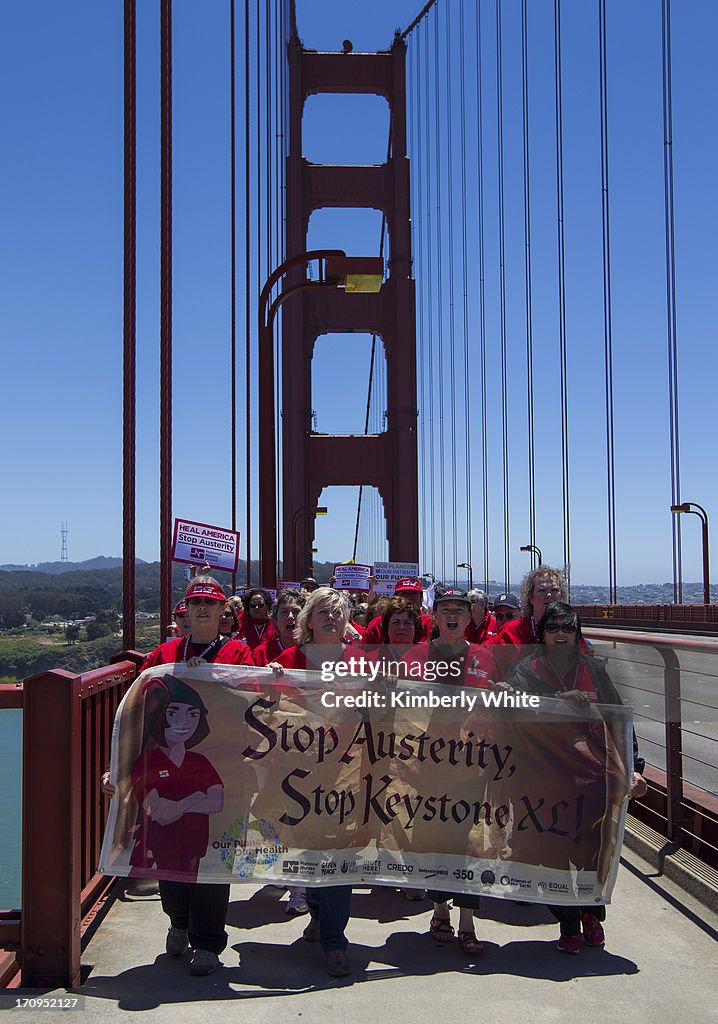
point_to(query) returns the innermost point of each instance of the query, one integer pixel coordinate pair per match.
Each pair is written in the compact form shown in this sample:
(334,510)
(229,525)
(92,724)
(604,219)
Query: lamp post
(534,550)
(467,565)
(355,274)
(697,510)
(318,510)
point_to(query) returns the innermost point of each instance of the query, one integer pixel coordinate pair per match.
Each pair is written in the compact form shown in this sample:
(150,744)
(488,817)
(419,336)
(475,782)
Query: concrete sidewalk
(660,964)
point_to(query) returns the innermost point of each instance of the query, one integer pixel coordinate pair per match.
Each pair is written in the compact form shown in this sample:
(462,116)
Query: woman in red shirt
(320,629)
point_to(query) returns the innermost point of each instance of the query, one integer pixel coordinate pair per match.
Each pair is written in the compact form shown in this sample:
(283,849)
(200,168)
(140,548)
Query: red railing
(685,814)
(696,618)
(67,728)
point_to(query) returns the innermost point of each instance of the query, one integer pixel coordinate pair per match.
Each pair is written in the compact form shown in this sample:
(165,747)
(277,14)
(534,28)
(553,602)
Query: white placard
(389,573)
(197,543)
(352,576)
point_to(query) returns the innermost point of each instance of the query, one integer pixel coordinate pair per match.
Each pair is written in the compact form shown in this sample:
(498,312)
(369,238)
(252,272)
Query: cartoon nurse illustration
(176,788)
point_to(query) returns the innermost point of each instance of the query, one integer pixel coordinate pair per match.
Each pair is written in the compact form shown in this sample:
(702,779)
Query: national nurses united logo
(251,847)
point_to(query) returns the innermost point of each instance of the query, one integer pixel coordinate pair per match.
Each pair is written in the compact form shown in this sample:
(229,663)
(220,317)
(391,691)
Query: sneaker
(177,941)
(593,932)
(569,944)
(203,962)
(297,904)
(311,932)
(337,964)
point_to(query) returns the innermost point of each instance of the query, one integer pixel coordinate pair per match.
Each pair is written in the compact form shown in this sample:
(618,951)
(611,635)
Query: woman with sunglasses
(205,601)
(255,626)
(560,669)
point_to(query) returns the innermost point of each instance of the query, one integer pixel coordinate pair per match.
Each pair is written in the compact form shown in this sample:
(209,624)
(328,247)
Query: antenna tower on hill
(63,534)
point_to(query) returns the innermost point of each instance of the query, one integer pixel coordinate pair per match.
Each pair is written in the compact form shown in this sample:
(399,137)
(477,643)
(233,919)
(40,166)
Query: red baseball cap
(213,591)
(180,608)
(408,585)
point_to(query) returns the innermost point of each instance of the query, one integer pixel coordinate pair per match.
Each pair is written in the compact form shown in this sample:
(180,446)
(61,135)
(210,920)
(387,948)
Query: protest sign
(288,585)
(387,574)
(225,774)
(350,576)
(197,543)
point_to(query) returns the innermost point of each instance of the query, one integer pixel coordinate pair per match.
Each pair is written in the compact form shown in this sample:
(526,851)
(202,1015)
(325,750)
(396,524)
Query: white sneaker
(297,904)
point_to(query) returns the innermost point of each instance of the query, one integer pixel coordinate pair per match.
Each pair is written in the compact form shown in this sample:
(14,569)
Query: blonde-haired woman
(320,628)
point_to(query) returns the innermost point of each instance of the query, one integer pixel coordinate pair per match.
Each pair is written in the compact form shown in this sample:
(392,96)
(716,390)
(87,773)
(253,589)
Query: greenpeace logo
(329,867)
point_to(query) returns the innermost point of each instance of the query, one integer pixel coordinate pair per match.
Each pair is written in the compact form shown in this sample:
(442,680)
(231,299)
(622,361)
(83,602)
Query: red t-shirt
(373,637)
(477,665)
(268,651)
(578,678)
(254,633)
(176,845)
(230,653)
(294,657)
(481,633)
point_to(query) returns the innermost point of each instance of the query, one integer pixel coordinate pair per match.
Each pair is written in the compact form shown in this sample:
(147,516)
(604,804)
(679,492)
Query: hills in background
(74,590)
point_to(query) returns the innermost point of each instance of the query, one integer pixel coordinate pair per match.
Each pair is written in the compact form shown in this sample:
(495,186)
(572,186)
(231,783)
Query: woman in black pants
(561,670)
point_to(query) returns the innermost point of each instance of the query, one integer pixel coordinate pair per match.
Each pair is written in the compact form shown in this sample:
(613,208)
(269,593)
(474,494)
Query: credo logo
(405,869)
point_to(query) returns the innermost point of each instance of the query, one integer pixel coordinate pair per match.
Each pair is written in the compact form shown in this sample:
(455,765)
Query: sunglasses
(560,627)
(257,604)
(197,601)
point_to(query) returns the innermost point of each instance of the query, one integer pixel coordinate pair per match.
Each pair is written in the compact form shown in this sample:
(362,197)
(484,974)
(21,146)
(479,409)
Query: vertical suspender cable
(502,281)
(417,153)
(562,297)
(607,312)
(233,262)
(452,305)
(482,296)
(247,293)
(465,285)
(165,315)
(440,290)
(529,296)
(675,442)
(129,327)
(429,270)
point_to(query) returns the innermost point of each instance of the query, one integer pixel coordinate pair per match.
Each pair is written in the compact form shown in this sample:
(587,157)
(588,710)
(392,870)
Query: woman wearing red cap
(205,602)
(197,911)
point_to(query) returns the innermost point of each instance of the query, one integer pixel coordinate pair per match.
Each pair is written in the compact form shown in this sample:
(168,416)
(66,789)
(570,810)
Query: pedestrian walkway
(660,964)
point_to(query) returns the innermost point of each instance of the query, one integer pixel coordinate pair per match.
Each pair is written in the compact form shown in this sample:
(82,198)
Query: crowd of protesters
(531,642)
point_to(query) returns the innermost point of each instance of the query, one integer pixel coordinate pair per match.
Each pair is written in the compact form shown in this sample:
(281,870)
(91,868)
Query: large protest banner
(224,773)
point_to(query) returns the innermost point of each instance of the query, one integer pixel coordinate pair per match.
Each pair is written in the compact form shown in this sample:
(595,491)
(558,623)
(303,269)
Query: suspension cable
(528,288)
(675,442)
(607,312)
(562,297)
(482,298)
(502,286)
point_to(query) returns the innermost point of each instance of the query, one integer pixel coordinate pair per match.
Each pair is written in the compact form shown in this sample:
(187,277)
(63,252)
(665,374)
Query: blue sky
(61,273)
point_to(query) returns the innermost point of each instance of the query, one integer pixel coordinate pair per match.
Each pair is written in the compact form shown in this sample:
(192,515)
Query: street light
(355,274)
(318,510)
(698,510)
(467,565)
(534,550)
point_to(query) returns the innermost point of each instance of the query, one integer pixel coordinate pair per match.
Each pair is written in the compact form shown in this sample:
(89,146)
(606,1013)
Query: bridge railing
(67,728)
(672,684)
